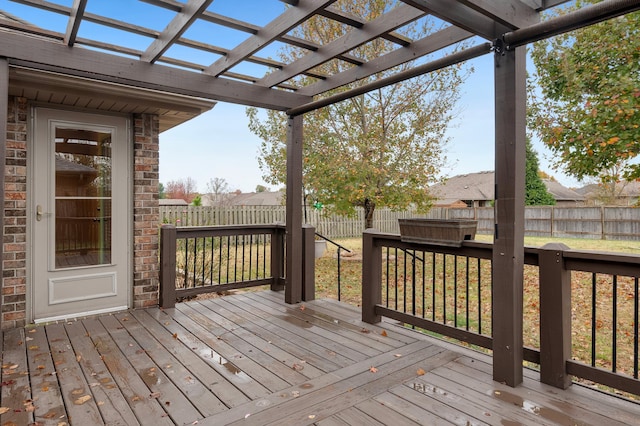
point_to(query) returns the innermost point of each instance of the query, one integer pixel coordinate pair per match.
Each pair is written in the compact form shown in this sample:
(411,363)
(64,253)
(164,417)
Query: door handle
(39,212)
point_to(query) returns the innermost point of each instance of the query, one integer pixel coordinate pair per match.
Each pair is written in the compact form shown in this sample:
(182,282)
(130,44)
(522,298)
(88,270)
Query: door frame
(31,206)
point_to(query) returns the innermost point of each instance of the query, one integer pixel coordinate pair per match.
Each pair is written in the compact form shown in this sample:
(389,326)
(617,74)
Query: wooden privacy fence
(609,223)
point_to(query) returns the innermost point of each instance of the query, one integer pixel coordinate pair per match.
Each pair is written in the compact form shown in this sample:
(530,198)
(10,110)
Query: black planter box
(435,231)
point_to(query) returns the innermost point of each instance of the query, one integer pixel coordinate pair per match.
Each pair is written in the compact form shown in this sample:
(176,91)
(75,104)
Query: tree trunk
(369,208)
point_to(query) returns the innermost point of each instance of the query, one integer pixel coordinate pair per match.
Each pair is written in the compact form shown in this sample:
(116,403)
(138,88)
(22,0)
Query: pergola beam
(513,14)
(417,49)
(282,24)
(462,16)
(178,25)
(583,17)
(395,18)
(452,59)
(77,11)
(45,55)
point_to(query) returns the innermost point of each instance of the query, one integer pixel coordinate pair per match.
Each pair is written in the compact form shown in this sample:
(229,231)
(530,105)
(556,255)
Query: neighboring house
(265,198)
(469,190)
(477,190)
(81,232)
(627,193)
(172,202)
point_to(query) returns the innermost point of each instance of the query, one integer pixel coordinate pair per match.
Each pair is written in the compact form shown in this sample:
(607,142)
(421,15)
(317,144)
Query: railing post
(168,238)
(277,258)
(555,316)
(309,263)
(371,277)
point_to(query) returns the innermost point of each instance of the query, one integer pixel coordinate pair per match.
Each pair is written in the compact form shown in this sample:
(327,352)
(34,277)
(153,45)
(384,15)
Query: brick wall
(145,211)
(14,267)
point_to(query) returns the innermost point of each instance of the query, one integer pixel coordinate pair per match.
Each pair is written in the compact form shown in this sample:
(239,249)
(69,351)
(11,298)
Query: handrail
(340,247)
(219,258)
(332,242)
(561,292)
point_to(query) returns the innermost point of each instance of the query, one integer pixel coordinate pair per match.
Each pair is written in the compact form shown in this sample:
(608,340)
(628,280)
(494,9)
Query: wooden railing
(196,260)
(580,308)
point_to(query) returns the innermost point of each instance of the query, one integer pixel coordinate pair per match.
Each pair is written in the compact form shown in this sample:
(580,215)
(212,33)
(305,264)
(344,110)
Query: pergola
(501,27)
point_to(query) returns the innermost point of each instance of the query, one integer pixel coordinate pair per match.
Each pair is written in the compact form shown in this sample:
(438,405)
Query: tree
(161,193)
(184,189)
(536,193)
(217,192)
(262,188)
(197,201)
(587,108)
(380,149)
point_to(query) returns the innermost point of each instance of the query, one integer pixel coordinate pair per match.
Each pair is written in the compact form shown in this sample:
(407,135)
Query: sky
(218,143)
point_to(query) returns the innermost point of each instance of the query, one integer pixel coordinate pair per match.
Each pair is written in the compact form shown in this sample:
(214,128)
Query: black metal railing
(196,260)
(339,247)
(581,309)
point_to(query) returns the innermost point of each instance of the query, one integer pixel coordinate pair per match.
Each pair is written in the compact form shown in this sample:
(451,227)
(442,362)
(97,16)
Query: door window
(83,165)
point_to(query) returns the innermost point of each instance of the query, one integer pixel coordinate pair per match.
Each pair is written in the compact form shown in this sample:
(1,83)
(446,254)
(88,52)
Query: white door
(80,214)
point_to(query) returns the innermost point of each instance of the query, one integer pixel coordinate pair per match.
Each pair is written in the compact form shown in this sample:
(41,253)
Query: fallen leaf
(77,391)
(383,333)
(125,319)
(100,403)
(33,330)
(420,372)
(4,410)
(373,369)
(41,367)
(167,403)
(78,357)
(297,367)
(175,335)
(28,339)
(45,388)
(82,399)
(135,398)
(397,355)
(247,415)
(312,416)
(62,424)
(302,307)
(154,395)
(33,347)
(365,331)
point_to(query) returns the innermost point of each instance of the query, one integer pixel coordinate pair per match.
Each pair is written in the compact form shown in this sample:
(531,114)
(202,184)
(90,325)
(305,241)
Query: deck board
(250,359)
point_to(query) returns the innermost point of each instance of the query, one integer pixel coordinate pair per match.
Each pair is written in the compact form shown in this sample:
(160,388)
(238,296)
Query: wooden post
(277,257)
(371,277)
(508,248)
(293,286)
(555,316)
(168,239)
(309,263)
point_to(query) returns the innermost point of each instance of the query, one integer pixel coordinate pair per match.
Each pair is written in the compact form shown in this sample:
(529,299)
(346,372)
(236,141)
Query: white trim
(82,314)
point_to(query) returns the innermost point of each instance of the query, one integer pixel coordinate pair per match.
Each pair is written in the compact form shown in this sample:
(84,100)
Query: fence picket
(611,223)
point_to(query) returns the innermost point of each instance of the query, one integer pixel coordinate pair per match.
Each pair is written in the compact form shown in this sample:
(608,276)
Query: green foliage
(197,201)
(261,188)
(536,193)
(161,193)
(588,108)
(380,149)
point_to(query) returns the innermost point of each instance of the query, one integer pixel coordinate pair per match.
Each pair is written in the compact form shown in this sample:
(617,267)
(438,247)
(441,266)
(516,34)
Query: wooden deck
(251,359)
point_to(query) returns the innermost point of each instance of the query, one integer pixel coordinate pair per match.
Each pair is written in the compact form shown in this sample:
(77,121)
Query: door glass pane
(82,198)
